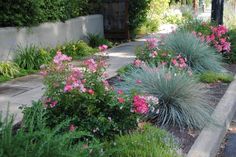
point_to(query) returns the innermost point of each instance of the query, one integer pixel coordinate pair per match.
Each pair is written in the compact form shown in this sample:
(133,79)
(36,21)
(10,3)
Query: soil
(186,137)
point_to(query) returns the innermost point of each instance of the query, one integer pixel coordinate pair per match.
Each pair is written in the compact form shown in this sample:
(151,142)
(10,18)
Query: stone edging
(210,138)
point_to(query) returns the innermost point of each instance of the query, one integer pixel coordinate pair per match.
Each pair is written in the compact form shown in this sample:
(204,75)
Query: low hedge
(34,12)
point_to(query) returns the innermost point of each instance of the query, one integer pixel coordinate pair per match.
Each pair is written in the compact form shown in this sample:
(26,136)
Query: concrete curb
(210,138)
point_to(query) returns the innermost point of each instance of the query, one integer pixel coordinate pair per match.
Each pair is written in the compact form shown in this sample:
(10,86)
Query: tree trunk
(195,6)
(217,11)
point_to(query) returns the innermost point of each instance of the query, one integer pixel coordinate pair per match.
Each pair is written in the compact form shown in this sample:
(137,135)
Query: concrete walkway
(24,90)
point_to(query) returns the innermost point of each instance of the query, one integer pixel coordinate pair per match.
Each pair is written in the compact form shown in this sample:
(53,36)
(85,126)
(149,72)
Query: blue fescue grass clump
(200,57)
(183,102)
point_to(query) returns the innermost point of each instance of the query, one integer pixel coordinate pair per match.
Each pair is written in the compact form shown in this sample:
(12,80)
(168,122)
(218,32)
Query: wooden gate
(115,14)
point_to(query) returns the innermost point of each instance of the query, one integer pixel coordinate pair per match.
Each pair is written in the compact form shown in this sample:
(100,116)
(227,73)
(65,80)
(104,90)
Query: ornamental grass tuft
(183,102)
(200,57)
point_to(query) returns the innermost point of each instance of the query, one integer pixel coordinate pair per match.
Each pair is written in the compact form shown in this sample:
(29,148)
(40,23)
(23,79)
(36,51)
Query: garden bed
(187,137)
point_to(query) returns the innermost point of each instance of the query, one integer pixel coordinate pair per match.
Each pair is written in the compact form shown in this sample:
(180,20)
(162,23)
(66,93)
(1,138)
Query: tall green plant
(200,57)
(31,57)
(33,138)
(8,69)
(182,100)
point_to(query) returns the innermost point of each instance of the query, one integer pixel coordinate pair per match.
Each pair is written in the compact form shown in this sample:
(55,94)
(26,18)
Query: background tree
(217,11)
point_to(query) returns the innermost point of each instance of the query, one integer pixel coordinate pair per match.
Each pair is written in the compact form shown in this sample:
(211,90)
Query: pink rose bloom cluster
(60,58)
(140,104)
(91,65)
(50,103)
(217,38)
(137,63)
(103,48)
(179,62)
(152,43)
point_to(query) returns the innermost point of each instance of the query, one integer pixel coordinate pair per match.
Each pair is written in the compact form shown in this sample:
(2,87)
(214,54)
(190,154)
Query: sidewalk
(24,90)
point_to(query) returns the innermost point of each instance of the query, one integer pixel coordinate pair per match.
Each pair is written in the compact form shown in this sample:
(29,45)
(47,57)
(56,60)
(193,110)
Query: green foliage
(212,77)
(154,17)
(232,38)
(76,49)
(200,56)
(33,138)
(32,12)
(197,25)
(125,69)
(182,100)
(96,40)
(31,57)
(8,69)
(137,13)
(146,142)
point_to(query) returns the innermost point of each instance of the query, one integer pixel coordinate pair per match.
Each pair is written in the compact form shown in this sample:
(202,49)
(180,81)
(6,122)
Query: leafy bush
(232,38)
(154,15)
(33,138)
(212,77)
(86,98)
(182,100)
(76,49)
(31,12)
(31,57)
(95,40)
(8,69)
(200,57)
(137,13)
(145,142)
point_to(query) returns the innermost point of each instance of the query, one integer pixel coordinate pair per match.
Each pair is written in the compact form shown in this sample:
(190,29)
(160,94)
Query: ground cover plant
(182,101)
(213,77)
(8,69)
(146,141)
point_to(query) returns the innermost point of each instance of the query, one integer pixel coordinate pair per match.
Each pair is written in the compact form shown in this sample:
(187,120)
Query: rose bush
(83,95)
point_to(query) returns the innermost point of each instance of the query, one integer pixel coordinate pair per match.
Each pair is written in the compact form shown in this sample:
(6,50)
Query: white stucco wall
(48,34)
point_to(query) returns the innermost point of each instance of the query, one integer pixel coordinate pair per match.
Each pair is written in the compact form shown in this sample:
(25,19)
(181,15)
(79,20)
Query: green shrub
(146,142)
(212,77)
(137,13)
(76,49)
(32,12)
(33,138)
(125,69)
(8,69)
(200,57)
(182,100)
(31,57)
(232,38)
(85,97)
(95,40)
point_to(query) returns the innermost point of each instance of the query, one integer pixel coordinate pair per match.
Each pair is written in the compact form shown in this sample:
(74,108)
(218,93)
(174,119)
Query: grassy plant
(212,77)
(8,69)
(35,139)
(96,40)
(146,142)
(182,100)
(31,57)
(76,49)
(200,56)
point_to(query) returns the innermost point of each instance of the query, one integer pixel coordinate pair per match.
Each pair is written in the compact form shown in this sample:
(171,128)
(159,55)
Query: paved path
(22,91)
